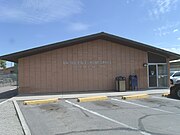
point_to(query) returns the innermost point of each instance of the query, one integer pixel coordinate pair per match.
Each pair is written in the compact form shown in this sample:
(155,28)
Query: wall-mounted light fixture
(145,64)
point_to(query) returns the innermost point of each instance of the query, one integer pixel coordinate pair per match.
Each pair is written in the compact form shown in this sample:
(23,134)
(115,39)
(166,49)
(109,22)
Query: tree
(2,64)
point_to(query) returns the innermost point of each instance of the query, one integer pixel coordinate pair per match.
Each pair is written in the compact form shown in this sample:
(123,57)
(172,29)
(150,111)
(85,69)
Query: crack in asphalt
(178,107)
(141,125)
(160,104)
(83,112)
(163,105)
(97,130)
(107,104)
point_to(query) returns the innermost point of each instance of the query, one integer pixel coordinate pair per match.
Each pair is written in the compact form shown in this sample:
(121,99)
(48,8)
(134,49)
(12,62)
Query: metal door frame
(157,73)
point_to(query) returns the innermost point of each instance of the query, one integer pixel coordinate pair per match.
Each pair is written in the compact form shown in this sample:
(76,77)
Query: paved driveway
(153,116)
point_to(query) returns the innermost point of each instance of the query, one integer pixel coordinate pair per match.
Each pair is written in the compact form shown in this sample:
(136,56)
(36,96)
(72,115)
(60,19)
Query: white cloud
(178,38)
(78,26)
(175,30)
(161,7)
(38,11)
(166,29)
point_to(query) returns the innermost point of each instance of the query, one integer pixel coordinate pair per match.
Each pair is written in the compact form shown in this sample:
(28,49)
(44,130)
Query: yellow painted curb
(165,94)
(138,96)
(44,101)
(88,99)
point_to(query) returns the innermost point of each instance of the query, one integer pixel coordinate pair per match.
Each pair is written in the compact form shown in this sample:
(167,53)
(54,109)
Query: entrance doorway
(158,75)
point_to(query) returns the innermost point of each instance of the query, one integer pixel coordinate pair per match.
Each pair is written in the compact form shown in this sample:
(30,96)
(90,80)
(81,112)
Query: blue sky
(26,24)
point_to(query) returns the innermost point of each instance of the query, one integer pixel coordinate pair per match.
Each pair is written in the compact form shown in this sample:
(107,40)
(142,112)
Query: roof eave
(15,56)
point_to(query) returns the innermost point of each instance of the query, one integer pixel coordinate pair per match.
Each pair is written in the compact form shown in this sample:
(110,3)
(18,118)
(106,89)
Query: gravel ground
(9,123)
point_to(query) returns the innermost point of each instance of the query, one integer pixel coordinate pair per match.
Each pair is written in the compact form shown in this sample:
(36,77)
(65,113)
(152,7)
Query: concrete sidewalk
(110,94)
(9,122)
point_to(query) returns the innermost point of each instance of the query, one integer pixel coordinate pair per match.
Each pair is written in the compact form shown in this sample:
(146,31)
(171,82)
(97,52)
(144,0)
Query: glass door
(152,76)
(158,75)
(162,75)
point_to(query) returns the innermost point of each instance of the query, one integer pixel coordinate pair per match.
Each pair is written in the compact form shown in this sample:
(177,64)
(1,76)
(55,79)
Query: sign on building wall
(96,62)
(89,64)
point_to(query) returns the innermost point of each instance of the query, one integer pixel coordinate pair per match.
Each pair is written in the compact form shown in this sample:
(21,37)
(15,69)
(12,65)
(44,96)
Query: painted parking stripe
(164,98)
(105,117)
(5,101)
(21,119)
(127,102)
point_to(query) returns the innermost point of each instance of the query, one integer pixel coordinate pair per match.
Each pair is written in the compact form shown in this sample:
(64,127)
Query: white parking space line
(22,119)
(107,118)
(5,101)
(127,102)
(164,98)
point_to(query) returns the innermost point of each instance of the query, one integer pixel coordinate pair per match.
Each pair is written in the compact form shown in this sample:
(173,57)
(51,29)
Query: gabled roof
(109,37)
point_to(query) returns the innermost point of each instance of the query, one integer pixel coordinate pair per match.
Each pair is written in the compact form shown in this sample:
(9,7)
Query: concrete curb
(9,94)
(5,101)
(96,98)
(44,101)
(74,96)
(21,119)
(138,96)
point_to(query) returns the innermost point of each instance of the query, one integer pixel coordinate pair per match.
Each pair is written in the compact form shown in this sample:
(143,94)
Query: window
(154,58)
(176,74)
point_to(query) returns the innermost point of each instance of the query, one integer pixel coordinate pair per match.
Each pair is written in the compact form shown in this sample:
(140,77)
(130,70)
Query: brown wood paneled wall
(82,67)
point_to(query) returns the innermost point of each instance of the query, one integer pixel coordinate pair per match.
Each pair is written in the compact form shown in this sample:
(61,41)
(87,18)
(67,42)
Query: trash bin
(133,82)
(120,83)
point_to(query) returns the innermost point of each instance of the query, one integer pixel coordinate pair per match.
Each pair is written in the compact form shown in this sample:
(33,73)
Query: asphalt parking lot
(155,115)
